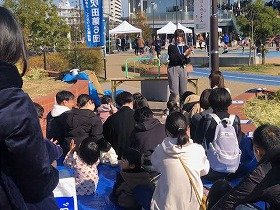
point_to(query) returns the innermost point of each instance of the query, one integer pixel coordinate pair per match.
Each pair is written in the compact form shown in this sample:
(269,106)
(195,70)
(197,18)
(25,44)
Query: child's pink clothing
(104,111)
(86,176)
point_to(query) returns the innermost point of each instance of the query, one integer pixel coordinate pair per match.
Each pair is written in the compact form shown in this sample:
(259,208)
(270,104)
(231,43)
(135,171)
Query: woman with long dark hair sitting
(180,162)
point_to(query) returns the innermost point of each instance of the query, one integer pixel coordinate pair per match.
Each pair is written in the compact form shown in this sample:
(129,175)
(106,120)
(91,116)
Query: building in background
(69,13)
(113,11)
(160,12)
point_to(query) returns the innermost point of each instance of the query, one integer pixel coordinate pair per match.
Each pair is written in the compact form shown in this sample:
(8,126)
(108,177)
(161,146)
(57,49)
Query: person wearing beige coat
(173,190)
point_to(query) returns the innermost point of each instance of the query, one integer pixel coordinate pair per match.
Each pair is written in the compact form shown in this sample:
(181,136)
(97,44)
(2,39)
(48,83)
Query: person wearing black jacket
(262,184)
(56,120)
(118,127)
(178,57)
(205,105)
(148,131)
(82,123)
(26,177)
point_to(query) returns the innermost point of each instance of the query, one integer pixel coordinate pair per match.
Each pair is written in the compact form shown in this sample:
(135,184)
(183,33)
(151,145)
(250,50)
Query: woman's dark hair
(124,98)
(133,156)
(39,109)
(64,95)
(139,101)
(217,191)
(140,115)
(103,145)
(179,33)
(82,100)
(12,43)
(106,99)
(177,125)
(216,79)
(267,137)
(220,99)
(89,151)
(204,99)
(172,106)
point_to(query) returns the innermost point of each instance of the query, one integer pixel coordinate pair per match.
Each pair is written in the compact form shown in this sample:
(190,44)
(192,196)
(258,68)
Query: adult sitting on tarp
(118,127)
(55,121)
(82,123)
(146,128)
(75,75)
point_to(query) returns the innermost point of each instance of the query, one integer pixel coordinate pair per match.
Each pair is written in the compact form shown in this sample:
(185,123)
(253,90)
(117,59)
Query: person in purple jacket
(26,177)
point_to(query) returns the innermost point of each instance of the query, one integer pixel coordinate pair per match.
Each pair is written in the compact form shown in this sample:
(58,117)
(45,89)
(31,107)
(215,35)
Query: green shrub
(36,74)
(36,61)
(57,62)
(264,109)
(86,59)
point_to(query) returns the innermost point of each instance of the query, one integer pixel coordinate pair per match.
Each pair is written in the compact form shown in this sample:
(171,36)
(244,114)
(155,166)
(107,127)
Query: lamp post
(214,49)
(176,13)
(181,11)
(153,12)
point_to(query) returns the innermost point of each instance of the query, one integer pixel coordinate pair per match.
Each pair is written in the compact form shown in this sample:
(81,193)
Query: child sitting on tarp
(107,153)
(106,109)
(132,174)
(84,163)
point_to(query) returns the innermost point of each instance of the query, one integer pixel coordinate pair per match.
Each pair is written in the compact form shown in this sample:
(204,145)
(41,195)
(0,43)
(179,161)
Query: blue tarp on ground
(69,77)
(100,200)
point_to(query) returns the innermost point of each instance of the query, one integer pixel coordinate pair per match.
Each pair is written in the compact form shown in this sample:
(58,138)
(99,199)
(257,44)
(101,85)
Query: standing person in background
(226,42)
(141,44)
(123,41)
(190,40)
(158,44)
(26,177)
(135,45)
(118,44)
(179,55)
(200,41)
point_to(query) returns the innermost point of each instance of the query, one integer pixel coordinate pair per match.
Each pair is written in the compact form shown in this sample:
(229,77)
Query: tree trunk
(263,54)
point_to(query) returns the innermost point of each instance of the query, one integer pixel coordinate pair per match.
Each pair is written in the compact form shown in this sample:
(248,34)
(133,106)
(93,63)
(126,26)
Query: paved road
(241,77)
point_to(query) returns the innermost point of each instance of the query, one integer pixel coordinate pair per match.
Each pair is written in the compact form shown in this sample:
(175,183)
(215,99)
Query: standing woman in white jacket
(173,190)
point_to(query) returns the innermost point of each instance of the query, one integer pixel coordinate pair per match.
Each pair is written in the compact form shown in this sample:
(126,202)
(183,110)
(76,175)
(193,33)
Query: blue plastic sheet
(100,200)
(69,77)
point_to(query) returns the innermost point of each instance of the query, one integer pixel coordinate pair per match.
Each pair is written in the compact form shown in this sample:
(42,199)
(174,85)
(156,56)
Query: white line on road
(257,79)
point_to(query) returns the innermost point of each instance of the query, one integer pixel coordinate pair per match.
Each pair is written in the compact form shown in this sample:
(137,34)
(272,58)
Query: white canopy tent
(185,29)
(125,28)
(170,28)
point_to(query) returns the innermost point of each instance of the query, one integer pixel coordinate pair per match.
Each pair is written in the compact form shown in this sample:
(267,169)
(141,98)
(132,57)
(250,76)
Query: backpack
(223,152)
